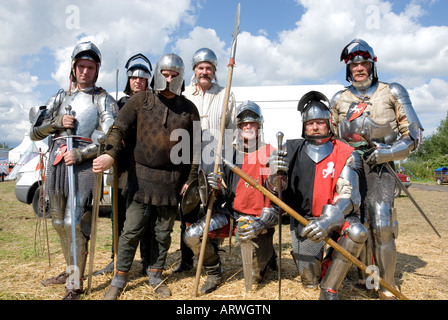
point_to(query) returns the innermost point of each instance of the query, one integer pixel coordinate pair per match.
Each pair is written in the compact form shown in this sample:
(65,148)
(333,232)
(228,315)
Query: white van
(28,188)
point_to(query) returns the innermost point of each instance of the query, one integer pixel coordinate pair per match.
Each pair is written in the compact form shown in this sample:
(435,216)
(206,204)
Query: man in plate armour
(322,185)
(92,112)
(377,119)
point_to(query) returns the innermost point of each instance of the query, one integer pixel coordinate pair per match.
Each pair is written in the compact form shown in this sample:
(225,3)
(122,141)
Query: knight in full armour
(322,184)
(377,119)
(92,112)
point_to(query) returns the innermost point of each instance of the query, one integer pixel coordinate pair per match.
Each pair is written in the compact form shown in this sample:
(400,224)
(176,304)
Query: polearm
(280,212)
(71,188)
(398,181)
(97,191)
(236,31)
(304,222)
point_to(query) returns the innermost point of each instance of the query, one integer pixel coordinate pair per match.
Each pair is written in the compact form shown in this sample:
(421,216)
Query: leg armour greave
(353,241)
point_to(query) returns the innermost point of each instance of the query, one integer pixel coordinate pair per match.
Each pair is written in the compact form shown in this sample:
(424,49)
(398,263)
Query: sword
(97,192)
(247,253)
(236,30)
(305,222)
(71,188)
(398,181)
(280,212)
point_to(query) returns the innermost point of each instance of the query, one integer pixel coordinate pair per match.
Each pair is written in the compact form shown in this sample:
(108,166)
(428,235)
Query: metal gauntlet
(255,225)
(279,165)
(397,151)
(330,220)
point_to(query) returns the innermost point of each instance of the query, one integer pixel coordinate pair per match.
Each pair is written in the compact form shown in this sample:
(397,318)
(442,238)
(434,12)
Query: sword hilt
(68,110)
(280,136)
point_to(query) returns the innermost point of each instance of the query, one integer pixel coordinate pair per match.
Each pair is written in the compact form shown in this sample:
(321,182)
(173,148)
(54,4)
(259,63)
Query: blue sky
(282,42)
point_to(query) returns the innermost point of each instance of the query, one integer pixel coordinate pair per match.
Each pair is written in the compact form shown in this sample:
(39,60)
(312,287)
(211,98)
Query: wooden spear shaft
(218,152)
(213,195)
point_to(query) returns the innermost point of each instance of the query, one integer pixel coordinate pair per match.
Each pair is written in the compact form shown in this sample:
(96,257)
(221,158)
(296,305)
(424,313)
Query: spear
(236,30)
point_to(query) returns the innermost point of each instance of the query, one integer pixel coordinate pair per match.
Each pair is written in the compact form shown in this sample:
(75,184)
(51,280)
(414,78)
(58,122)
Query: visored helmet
(137,69)
(172,62)
(249,111)
(88,51)
(204,55)
(315,105)
(358,51)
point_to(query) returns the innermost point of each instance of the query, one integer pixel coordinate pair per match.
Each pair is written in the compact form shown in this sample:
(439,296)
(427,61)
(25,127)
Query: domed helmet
(204,55)
(249,111)
(315,105)
(169,61)
(138,70)
(358,51)
(88,51)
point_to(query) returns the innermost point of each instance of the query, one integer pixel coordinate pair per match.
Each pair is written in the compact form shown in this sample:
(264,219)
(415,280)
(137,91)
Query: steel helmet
(169,61)
(358,51)
(314,105)
(249,111)
(204,55)
(88,51)
(138,70)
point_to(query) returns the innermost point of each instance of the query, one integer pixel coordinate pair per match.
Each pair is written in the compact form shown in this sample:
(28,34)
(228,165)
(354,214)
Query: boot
(73,294)
(59,279)
(214,278)
(156,281)
(116,286)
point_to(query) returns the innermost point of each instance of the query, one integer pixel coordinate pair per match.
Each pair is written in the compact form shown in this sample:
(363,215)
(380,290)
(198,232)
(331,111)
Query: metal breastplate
(318,152)
(354,131)
(84,110)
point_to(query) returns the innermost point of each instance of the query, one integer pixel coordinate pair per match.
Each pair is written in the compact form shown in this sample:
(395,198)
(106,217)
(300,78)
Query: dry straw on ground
(422,271)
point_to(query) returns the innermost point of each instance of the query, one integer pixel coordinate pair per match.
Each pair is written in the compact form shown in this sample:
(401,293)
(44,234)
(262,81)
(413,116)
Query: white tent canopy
(279,106)
(27,145)
(24,152)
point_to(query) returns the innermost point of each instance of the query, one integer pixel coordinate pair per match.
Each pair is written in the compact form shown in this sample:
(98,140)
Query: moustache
(206,77)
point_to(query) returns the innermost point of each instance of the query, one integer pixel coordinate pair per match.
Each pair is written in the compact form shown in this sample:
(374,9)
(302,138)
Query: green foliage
(432,153)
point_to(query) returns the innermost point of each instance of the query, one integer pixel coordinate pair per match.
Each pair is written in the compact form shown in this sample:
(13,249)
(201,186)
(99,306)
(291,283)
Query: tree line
(431,154)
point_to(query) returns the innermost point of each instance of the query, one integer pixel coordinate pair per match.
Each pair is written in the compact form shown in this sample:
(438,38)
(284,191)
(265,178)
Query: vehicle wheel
(439,181)
(397,191)
(37,204)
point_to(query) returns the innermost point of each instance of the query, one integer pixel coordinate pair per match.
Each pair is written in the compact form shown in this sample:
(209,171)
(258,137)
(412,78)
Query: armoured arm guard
(411,136)
(347,201)
(43,123)
(267,219)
